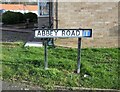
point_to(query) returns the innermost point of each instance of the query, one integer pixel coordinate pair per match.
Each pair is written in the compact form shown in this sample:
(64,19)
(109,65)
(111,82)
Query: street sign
(63,33)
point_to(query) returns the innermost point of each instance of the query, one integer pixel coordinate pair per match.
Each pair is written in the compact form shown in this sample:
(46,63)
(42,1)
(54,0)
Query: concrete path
(18,86)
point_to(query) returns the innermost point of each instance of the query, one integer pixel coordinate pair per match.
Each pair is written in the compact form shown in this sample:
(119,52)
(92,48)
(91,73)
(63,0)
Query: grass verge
(99,67)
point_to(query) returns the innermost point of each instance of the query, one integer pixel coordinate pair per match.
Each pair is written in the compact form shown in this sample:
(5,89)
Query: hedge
(10,17)
(31,16)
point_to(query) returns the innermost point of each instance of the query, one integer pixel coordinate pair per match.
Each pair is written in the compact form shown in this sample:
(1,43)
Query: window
(43,8)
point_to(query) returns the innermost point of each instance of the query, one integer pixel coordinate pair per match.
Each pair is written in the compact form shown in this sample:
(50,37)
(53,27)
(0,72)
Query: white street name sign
(63,33)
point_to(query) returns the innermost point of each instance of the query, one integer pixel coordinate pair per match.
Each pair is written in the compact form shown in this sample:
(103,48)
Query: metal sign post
(45,55)
(79,55)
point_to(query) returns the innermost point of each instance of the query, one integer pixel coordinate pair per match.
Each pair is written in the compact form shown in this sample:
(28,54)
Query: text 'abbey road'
(58,33)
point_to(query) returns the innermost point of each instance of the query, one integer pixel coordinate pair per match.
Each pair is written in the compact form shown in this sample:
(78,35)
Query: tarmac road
(18,35)
(14,35)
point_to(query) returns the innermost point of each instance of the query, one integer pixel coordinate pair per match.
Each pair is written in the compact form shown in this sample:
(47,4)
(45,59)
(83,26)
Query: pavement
(18,86)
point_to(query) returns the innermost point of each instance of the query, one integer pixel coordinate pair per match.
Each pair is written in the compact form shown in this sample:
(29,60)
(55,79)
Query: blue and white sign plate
(63,33)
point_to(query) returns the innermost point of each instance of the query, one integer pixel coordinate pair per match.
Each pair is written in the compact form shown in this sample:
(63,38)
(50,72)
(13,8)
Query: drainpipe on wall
(56,14)
(51,41)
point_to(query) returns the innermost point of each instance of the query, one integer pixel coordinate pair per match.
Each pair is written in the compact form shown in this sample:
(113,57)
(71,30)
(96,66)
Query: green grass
(27,64)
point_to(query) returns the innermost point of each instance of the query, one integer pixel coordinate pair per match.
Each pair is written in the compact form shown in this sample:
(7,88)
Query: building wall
(43,21)
(20,8)
(102,17)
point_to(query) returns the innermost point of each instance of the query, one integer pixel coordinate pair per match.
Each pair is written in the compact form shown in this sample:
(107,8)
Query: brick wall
(102,17)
